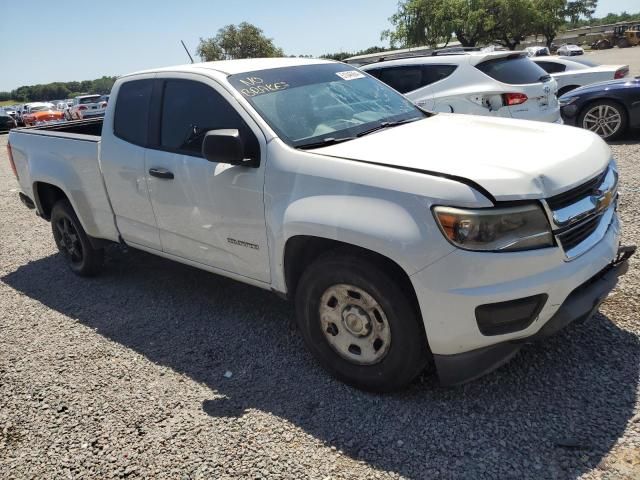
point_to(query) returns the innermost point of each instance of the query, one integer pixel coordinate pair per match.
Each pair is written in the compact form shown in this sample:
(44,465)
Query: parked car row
(524,85)
(78,108)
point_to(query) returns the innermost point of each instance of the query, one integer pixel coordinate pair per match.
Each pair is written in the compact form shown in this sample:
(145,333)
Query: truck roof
(232,67)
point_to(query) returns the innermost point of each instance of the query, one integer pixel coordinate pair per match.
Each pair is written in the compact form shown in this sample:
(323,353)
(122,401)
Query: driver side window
(189,110)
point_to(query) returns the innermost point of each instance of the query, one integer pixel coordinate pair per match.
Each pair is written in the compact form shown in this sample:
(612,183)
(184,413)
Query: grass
(8,102)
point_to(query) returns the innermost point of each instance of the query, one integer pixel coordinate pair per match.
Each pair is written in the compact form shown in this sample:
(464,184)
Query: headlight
(495,229)
(567,101)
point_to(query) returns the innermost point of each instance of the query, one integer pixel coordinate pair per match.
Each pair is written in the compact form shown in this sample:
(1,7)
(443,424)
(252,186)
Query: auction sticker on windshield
(350,75)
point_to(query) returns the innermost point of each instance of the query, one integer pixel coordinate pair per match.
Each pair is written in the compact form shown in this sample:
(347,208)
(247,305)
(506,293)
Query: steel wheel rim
(603,120)
(68,240)
(354,324)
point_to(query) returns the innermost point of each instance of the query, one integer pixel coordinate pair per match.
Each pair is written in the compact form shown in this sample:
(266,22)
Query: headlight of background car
(495,229)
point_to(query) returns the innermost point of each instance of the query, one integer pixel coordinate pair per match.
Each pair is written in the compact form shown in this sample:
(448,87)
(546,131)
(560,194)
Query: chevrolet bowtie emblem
(603,200)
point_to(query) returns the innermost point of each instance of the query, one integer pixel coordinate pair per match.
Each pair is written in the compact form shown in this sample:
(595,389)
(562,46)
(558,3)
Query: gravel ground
(127,375)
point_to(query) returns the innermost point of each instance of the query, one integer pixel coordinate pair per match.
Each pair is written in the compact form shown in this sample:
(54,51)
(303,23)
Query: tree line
(478,22)
(58,90)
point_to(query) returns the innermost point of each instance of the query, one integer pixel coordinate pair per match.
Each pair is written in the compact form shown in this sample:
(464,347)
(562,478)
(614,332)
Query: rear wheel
(605,118)
(358,323)
(72,241)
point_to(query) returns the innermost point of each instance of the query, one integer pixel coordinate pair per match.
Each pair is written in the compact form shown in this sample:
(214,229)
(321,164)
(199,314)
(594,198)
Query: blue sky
(82,40)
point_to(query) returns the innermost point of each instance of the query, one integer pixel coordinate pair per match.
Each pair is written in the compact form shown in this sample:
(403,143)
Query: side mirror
(225,146)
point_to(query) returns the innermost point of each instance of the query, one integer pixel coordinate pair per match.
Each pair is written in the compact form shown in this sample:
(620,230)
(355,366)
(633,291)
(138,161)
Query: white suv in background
(86,106)
(500,84)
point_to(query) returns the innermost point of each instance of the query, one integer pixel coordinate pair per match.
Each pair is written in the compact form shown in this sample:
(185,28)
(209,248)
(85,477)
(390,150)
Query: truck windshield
(314,104)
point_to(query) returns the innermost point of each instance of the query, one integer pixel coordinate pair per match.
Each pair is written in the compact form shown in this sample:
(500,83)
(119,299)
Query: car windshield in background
(313,104)
(84,101)
(513,70)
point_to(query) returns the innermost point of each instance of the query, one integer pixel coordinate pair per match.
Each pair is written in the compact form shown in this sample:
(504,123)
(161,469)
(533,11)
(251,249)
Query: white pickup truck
(403,237)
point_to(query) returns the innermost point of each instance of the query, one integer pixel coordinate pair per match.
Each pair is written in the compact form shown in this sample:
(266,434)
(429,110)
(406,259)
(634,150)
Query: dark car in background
(607,108)
(7,122)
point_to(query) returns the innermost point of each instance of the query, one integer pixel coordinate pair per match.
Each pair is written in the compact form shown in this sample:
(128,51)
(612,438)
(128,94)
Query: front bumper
(570,114)
(579,306)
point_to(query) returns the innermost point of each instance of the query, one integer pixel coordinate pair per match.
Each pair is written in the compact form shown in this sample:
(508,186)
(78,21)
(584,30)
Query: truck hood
(511,159)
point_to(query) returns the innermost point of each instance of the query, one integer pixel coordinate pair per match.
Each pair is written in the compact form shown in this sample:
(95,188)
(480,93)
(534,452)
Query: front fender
(406,234)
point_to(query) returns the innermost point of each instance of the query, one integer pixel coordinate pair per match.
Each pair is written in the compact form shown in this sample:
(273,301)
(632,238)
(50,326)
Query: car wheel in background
(605,118)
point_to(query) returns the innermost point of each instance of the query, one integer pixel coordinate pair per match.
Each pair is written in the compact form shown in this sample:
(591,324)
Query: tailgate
(68,162)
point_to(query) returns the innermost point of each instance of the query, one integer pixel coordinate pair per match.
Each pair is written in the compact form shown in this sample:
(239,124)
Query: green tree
(241,41)
(549,17)
(420,22)
(430,22)
(576,9)
(515,19)
(474,21)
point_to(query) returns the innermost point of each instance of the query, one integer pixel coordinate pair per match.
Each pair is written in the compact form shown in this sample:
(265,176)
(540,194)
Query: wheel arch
(301,250)
(46,195)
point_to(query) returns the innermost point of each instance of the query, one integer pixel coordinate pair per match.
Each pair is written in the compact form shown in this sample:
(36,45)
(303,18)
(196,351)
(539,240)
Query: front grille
(575,194)
(578,234)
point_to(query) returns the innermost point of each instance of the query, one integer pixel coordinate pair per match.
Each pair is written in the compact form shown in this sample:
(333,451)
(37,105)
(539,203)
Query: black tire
(407,353)
(73,243)
(624,121)
(623,43)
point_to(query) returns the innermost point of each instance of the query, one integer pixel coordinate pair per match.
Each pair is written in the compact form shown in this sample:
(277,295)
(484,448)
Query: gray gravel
(155,369)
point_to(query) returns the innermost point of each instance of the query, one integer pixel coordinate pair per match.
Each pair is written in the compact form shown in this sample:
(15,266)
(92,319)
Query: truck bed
(65,156)
(84,128)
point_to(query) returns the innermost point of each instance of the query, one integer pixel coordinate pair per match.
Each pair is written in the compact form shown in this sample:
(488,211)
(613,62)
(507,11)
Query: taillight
(82,107)
(510,99)
(11,162)
(621,73)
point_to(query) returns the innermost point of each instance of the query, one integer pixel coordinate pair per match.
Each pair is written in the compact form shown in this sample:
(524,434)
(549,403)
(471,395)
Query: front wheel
(607,119)
(358,323)
(73,243)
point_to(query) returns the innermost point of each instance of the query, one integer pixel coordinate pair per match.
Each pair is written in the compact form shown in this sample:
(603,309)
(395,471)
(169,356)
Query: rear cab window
(513,70)
(132,111)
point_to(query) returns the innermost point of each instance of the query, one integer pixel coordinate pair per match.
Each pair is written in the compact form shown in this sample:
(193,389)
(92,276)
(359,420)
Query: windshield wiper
(383,125)
(325,142)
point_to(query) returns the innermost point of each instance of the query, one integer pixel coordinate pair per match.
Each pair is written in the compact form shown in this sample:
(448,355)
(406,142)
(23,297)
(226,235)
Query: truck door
(122,160)
(207,212)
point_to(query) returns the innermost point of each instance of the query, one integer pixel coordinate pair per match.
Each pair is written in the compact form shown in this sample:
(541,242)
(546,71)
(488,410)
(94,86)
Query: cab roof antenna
(187,50)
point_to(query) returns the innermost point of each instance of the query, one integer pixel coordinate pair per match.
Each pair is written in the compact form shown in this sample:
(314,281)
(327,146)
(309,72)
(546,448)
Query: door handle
(161,173)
